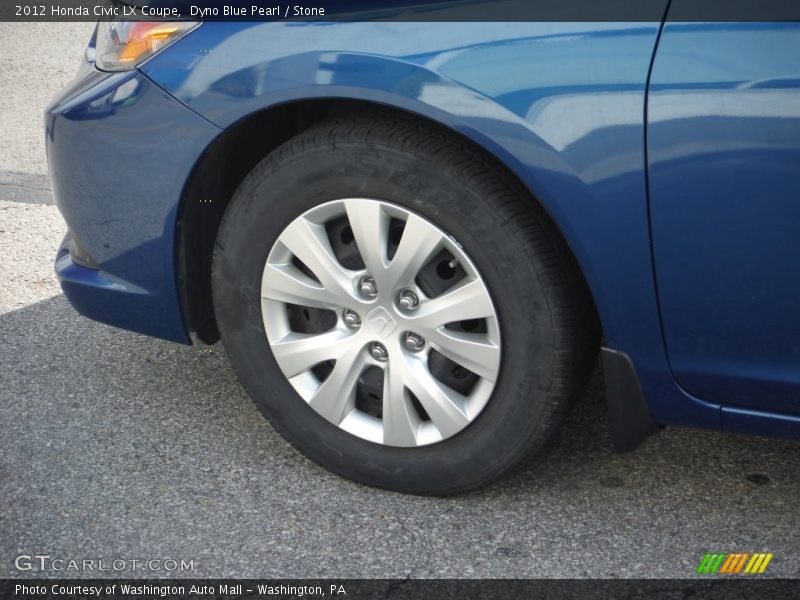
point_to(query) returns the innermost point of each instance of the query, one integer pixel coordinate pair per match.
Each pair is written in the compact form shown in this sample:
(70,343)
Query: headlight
(123,45)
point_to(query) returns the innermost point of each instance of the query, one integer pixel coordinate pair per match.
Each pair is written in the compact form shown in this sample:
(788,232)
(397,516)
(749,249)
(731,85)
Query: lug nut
(414,342)
(368,286)
(351,319)
(408,300)
(378,351)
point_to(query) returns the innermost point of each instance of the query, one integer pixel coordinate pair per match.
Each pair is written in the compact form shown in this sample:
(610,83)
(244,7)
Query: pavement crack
(26,188)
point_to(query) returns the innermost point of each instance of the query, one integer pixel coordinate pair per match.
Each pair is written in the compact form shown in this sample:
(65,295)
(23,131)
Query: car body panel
(115,143)
(724,172)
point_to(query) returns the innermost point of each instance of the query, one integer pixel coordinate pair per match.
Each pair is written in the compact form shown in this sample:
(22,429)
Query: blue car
(415,239)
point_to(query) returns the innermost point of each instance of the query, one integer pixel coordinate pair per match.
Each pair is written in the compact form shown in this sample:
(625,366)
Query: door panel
(724,174)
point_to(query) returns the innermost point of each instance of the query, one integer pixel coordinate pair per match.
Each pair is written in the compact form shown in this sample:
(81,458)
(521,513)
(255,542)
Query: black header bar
(402,10)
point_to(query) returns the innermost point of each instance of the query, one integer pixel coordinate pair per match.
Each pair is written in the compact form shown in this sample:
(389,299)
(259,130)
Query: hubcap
(381,322)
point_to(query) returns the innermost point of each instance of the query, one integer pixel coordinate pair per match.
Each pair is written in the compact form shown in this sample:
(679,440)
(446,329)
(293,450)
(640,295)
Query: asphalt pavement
(115,446)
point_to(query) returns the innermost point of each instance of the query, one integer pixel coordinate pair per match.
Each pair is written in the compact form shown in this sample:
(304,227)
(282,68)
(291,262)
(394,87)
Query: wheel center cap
(381,322)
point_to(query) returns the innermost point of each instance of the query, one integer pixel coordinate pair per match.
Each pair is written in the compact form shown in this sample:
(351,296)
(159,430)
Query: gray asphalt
(116,446)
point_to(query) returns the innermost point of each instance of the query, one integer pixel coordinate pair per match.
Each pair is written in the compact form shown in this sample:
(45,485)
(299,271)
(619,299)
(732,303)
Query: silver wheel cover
(388,331)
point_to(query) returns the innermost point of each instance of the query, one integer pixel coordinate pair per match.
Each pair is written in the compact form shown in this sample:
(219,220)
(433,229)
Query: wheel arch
(234,153)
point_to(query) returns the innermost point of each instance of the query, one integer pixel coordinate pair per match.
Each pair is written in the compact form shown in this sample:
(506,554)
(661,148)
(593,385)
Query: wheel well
(214,180)
(220,171)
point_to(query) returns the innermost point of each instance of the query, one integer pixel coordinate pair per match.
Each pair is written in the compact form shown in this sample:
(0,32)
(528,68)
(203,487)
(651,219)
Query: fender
(561,105)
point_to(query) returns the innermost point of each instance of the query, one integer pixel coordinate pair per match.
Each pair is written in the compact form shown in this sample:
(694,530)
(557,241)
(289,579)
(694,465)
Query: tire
(544,320)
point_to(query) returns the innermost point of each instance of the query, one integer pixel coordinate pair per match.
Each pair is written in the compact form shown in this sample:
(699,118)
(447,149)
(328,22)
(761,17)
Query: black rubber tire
(548,326)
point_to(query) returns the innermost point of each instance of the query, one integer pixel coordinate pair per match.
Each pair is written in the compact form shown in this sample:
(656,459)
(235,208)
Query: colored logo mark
(735,562)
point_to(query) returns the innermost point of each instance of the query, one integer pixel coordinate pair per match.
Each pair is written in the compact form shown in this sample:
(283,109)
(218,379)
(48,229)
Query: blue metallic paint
(562,105)
(114,145)
(724,164)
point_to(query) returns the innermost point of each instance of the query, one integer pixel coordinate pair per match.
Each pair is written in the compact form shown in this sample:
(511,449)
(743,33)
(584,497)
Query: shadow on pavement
(117,445)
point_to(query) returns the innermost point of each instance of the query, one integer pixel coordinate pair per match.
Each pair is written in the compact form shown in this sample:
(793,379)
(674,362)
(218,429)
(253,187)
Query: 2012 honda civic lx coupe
(415,238)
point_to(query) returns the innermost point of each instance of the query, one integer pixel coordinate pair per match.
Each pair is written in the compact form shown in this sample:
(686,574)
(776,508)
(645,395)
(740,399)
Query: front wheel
(397,307)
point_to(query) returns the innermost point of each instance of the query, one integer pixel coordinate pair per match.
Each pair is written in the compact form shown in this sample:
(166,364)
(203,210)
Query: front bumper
(120,150)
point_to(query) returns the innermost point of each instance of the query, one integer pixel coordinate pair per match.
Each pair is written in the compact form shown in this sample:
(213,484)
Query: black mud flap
(629,418)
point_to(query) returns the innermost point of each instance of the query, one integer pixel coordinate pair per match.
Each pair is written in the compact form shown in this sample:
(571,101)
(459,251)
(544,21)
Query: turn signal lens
(123,45)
